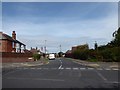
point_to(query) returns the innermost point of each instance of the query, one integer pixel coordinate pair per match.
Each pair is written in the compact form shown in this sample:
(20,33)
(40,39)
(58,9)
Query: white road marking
(82,68)
(115,69)
(62,68)
(60,65)
(100,75)
(68,68)
(75,68)
(90,68)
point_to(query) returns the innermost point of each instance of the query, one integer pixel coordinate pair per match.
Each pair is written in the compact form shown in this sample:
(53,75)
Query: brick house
(80,47)
(35,51)
(10,44)
(68,53)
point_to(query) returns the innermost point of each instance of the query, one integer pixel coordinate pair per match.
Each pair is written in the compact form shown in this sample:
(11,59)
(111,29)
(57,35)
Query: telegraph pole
(45,46)
(60,48)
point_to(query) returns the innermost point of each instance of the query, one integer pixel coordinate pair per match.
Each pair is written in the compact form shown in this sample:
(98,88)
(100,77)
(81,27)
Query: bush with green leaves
(115,54)
(111,54)
(92,54)
(36,56)
(80,54)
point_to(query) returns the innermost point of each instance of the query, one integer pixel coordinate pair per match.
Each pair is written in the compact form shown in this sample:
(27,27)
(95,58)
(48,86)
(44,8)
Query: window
(13,45)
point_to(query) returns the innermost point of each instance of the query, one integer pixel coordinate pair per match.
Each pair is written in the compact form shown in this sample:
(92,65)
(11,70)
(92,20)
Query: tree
(116,35)
(60,54)
(95,46)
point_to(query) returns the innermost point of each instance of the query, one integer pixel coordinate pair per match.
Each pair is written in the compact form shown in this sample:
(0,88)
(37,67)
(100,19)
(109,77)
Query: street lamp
(60,48)
(45,46)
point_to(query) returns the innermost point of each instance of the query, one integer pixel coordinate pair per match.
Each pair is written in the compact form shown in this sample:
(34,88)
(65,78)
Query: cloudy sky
(60,23)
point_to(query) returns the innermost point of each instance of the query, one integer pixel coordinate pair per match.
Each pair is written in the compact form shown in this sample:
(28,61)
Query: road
(60,73)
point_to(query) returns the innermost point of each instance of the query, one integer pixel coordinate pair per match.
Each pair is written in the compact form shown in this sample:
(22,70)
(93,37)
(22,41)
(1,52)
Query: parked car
(51,56)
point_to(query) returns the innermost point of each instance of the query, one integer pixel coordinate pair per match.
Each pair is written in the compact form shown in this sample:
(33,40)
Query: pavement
(114,65)
(7,67)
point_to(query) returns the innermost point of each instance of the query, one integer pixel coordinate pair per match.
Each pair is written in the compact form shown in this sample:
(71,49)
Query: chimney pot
(14,35)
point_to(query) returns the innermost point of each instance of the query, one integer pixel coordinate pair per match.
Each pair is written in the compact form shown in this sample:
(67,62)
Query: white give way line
(69,68)
(60,65)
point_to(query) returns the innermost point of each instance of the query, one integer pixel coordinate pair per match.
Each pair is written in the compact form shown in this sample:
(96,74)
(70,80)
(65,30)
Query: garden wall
(16,57)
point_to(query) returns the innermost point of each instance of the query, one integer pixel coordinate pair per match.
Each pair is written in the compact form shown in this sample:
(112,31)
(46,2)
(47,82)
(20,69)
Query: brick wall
(16,57)
(16,60)
(20,55)
(5,46)
(9,46)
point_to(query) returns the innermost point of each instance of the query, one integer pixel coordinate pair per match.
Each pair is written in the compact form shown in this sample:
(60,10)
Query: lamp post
(45,46)
(60,48)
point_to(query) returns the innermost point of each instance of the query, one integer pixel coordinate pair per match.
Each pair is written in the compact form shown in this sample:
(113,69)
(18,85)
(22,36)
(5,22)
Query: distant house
(10,44)
(35,50)
(68,53)
(80,47)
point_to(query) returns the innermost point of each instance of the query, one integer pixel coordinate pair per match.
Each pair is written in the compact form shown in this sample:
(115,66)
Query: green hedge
(106,55)
(111,54)
(80,54)
(36,56)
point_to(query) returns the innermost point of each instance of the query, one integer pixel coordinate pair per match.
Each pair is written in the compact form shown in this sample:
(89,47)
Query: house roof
(69,51)
(4,36)
(34,50)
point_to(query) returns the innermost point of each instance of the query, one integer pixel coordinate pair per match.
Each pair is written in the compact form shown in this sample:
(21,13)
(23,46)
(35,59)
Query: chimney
(14,44)
(14,35)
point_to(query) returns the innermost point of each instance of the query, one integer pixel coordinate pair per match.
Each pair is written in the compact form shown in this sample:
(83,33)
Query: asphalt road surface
(60,73)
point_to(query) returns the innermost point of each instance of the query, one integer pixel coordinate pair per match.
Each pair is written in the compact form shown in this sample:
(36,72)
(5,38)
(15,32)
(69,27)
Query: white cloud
(64,31)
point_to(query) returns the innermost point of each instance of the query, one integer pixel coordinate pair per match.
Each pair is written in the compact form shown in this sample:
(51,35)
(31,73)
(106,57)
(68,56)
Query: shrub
(107,54)
(36,56)
(111,54)
(80,54)
(92,54)
(116,54)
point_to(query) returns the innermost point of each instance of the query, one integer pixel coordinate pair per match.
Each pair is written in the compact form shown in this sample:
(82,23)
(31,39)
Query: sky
(60,23)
